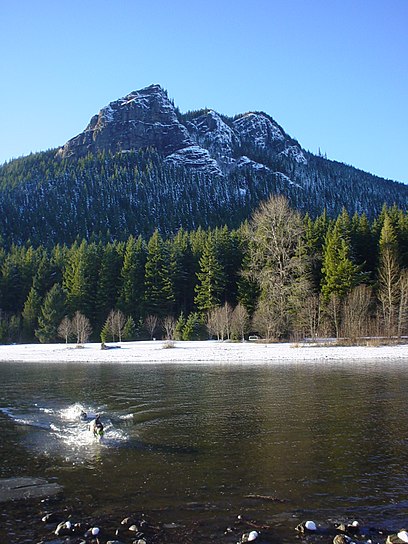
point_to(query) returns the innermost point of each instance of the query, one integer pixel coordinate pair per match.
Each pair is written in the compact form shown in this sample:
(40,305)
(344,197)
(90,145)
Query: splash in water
(65,431)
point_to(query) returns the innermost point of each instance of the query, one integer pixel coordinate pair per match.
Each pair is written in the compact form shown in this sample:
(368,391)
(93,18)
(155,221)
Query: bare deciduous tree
(115,324)
(81,327)
(226,318)
(239,321)
(120,322)
(65,329)
(213,322)
(169,325)
(403,304)
(264,321)
(219,321)
(333,313)
(356,315)
(150,323)
(278,262)
(308,317)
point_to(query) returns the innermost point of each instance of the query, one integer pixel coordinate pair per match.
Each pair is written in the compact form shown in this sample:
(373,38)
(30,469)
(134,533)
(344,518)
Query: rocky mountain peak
(140,119)
(205,140)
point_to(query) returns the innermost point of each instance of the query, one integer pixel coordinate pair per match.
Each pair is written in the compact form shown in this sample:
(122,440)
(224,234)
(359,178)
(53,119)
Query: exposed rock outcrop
(206,142)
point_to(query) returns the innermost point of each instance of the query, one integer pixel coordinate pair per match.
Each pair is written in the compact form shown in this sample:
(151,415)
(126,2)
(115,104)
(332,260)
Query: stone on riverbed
(12,489)
(399,538)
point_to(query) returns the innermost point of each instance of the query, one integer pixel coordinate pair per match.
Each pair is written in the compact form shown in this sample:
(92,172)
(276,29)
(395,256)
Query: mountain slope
(141,164)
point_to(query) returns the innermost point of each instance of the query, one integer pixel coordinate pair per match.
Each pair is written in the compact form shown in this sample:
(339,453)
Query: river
(203,444)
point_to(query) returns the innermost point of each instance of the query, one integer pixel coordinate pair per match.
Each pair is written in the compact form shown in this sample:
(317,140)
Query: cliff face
(141,119)
(206,142)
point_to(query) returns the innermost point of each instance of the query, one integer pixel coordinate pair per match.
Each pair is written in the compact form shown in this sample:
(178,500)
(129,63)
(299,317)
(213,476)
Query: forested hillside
(104,197)
(280,275)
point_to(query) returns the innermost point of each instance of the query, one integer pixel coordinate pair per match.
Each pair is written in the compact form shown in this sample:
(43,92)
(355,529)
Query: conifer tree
(340,274)
(14,284)
(159,294)
(388,276)
(31,313)
(129,330)
(80,278)
(363,243)
(108,280)
(131,295)
(315,233)
(179,328)
(248,288)
(46,274)
(194,328)
(51,314)
(182,269)
(211,278)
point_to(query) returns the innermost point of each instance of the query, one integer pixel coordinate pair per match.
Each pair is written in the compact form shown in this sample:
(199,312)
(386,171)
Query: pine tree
(131,295)
(14,282)
(51,315)
(315,233)
(388,276)
(194,328)
(129,330)
(31,313)
(46,274)
(339,272)
(108,285)
(80,278)
(182,269)
(159,294)
(211,278)
(179,329)
(363,243)
(247,287)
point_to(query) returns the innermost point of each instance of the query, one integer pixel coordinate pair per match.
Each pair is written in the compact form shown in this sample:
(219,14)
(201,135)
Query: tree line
(280,275)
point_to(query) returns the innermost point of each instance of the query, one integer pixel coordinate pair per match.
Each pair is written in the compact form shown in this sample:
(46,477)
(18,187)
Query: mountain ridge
(147,117)
(141,164)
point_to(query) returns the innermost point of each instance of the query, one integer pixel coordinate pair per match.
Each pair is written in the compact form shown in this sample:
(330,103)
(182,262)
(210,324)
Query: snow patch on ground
(200,353)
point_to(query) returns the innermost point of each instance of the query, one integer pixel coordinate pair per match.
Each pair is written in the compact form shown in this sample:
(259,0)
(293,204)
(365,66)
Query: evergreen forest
(109,197)
(281,274)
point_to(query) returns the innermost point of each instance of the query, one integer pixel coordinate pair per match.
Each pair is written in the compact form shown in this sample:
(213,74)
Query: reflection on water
(200,442)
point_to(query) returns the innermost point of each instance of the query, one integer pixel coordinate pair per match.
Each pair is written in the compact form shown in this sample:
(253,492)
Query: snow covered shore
(198,352)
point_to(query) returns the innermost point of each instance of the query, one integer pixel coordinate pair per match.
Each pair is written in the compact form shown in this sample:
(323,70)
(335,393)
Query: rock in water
(26,488)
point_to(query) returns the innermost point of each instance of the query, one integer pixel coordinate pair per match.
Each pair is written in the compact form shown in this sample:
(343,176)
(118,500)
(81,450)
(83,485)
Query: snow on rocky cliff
(207,142)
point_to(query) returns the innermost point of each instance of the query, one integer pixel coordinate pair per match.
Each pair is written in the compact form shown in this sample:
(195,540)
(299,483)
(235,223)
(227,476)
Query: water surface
(197,443)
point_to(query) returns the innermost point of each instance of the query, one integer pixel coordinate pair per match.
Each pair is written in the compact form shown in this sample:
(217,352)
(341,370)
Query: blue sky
(332,73)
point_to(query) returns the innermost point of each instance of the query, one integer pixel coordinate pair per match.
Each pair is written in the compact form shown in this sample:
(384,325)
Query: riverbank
(198,353)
